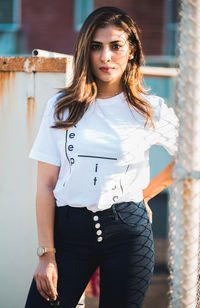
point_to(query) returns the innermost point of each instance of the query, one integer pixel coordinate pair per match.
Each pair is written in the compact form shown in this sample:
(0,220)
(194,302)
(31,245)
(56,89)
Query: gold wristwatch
(42,250)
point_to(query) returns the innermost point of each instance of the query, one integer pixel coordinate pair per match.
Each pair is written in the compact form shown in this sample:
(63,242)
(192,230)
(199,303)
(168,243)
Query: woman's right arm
(46,272)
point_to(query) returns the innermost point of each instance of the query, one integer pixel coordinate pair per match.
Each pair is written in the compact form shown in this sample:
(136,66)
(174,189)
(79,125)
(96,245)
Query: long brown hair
(83,89)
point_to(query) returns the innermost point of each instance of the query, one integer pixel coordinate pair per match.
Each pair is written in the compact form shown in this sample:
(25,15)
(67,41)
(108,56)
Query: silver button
(97,226)
(95,218)
(100,238)
(115,198)
(99,232)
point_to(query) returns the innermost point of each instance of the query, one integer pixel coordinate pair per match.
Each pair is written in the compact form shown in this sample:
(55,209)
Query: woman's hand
(149,211)
(46,276)
(157,184)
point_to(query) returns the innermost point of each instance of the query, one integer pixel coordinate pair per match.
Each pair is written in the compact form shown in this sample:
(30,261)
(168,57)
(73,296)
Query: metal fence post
(185,192)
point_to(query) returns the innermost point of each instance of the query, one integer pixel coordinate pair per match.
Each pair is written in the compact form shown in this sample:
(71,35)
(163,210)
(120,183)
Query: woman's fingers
(149,211)
(41,289)
(55,280)
(51,287)
(46,280)
(45,287)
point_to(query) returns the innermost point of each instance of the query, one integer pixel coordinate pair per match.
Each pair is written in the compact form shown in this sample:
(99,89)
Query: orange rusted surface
(30,118)
(59,65)
(31,64)
(7,80)
(30,111)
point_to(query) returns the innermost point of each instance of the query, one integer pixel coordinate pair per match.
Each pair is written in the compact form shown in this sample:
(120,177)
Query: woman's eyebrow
(96,42)
(112,42)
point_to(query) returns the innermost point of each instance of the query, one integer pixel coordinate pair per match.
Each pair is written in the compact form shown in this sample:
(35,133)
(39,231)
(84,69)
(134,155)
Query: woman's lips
(106,68)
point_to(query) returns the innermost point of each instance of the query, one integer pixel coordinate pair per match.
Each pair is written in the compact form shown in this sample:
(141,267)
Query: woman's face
(109,54)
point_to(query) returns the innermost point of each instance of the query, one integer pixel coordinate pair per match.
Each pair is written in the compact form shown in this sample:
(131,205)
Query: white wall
(19,122)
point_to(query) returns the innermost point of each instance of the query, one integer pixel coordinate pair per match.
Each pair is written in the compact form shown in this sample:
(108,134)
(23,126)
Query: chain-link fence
(184,233)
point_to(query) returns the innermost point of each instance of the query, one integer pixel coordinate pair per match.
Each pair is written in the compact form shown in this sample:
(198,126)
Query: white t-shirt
(104,159)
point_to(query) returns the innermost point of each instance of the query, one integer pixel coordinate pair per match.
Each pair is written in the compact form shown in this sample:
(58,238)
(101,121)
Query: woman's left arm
(157,184)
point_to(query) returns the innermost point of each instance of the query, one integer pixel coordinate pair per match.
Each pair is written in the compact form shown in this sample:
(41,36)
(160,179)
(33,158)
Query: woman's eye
(116,46)
(95,47)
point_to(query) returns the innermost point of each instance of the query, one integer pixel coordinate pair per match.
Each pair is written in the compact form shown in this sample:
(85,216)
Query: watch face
(40,251)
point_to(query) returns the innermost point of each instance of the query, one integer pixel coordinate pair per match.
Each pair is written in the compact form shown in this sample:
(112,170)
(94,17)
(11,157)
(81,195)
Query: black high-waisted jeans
(119,240)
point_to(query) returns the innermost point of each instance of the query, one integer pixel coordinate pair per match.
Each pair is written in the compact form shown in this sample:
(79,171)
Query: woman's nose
(105,55)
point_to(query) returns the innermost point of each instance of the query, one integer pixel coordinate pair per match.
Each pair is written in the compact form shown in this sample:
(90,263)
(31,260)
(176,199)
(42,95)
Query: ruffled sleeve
(166,125)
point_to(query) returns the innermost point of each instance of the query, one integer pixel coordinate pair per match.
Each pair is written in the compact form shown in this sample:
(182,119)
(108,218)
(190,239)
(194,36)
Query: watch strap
(49,249)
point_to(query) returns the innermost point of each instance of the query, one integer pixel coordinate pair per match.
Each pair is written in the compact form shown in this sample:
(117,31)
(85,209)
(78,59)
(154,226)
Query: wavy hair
(82,91)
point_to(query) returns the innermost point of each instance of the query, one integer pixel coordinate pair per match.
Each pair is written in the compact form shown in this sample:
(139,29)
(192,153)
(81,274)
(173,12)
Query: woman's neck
(106,90)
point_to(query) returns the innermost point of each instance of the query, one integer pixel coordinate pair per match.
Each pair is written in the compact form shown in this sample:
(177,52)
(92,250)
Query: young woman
(93,171)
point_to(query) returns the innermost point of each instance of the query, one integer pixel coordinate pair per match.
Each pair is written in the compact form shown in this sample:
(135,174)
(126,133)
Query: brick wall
(48,24)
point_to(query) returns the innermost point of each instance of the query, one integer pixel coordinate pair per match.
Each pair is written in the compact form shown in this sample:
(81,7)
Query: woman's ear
(131,57)
(132,50)
(131,54)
